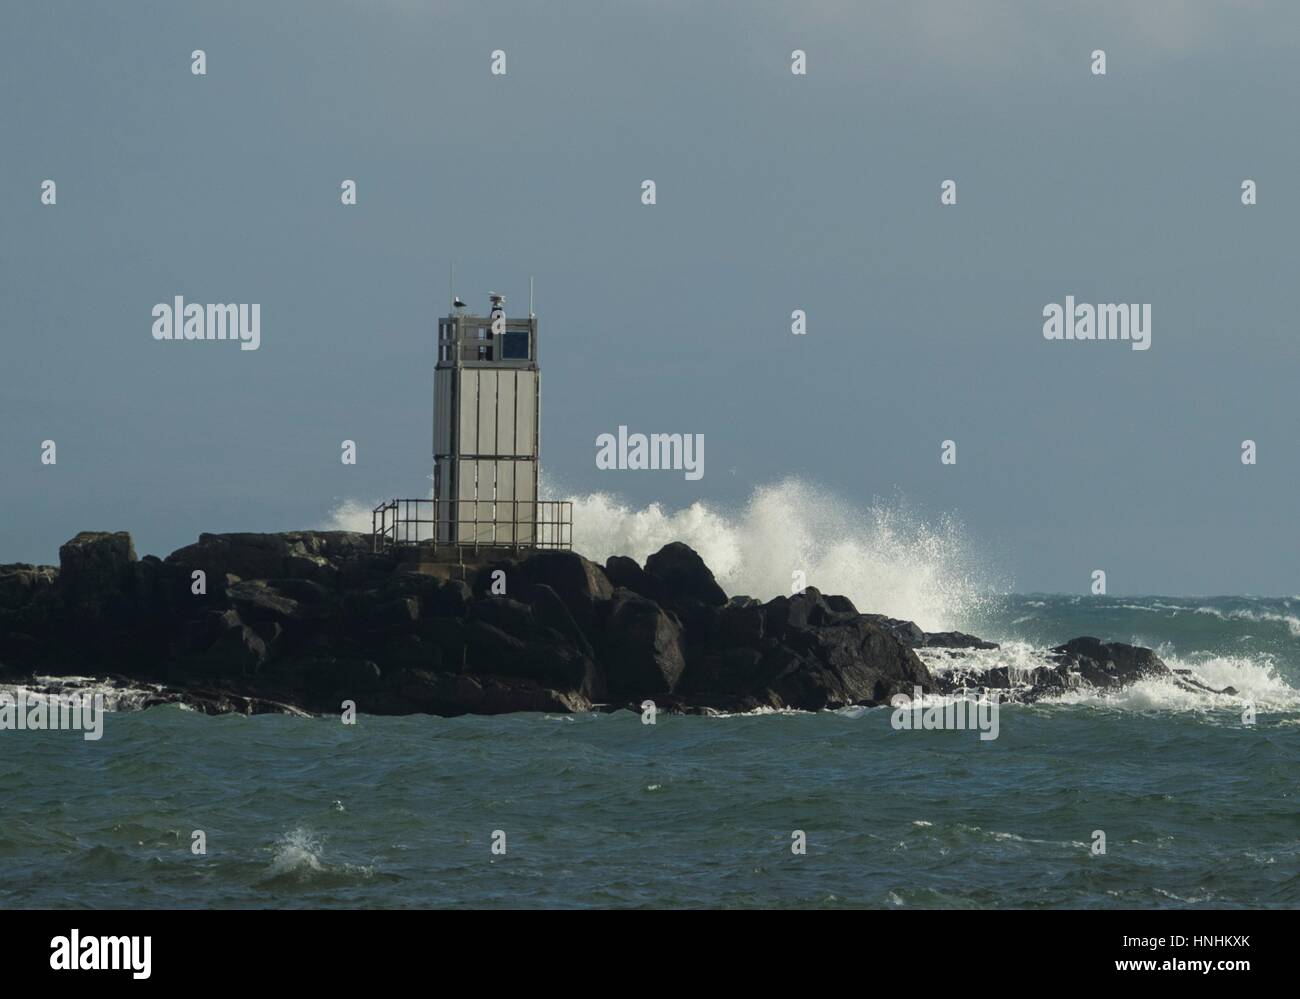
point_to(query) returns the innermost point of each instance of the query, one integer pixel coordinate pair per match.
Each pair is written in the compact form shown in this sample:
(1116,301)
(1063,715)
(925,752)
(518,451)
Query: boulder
(257,600)
(451,600)
(20,582)
(906,632)
(557,664)
(847,663)
(680,577)
(580,584)
(738,624)
(290,555)
(96,569)
(624,571)
(800,652)
(1109,664)
(641,649)
(955,640)
(802,610)
(549,611)
(239,651)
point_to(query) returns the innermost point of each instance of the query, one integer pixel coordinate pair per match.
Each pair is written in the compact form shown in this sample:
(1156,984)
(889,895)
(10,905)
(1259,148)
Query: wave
(117,696)
(1256,679)
(1290,620)
(884,556)
(297,852)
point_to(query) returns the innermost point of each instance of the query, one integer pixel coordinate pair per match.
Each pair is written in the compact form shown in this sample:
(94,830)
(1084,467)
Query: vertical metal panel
(487,413)
(486,506)
(442,411)
(526,413)
(505,496)
(526,493)
(468,443)
(506,391)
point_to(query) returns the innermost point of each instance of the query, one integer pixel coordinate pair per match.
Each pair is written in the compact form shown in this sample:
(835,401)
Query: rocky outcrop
(805,651)
(1081,663)
(310,620)
(21,582)
(310,555)
(914,638)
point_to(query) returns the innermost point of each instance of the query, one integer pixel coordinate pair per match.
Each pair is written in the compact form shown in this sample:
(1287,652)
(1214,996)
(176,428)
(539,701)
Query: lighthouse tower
(486,414)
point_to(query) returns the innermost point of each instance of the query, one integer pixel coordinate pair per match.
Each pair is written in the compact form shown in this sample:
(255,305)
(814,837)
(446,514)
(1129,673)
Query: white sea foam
(1255,678)
(296,852)
(886,558)
(1241,614)
(61,689)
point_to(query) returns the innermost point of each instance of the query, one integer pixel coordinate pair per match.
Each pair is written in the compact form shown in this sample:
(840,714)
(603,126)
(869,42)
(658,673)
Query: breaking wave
(1257,680)
(296,852)
(886,558)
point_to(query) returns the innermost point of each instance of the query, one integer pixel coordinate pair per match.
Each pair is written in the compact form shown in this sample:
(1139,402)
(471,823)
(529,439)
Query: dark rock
(447,635)
(840,604)
(96,570)
(256,600)
(680,577)
(955,640)
(905,631)
(627,573)
(20,582)
(506,614)
(292,555)
(1111,664)
(310,619)
(488,584)
(846,663)
(491,651)
(641,649)
(239,650)
(803,610)
(323,682)
(579,583)
(452,600)
(457,694)
(737,624)
(550,612)
(400,613)
(800,652)
(411,652)
(1078,664)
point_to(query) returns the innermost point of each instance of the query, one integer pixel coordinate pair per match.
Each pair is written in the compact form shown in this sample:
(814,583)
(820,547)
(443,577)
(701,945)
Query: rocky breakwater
(303,621)
(307,620)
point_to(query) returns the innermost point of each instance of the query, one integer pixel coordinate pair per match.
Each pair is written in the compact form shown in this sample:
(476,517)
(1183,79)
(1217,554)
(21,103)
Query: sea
(1153,797)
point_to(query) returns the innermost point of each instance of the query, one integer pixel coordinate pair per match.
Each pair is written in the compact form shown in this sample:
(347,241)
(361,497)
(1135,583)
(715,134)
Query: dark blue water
(1198,808)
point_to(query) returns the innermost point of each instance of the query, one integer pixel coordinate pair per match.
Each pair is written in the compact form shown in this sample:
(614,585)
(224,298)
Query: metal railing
(472,524)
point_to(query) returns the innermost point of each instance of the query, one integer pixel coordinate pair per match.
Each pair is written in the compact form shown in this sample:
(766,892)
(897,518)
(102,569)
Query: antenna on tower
(531,313)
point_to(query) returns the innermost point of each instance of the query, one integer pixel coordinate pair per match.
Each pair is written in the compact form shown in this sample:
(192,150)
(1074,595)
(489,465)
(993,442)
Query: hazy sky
(775,193)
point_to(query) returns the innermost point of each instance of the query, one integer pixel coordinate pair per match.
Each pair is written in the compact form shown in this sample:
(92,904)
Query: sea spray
(885,557)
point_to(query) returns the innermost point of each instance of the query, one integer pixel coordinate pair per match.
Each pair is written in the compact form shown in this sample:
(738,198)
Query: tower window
(514,346)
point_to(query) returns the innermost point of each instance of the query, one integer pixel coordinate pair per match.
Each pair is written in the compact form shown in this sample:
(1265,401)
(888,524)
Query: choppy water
(1198,808)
